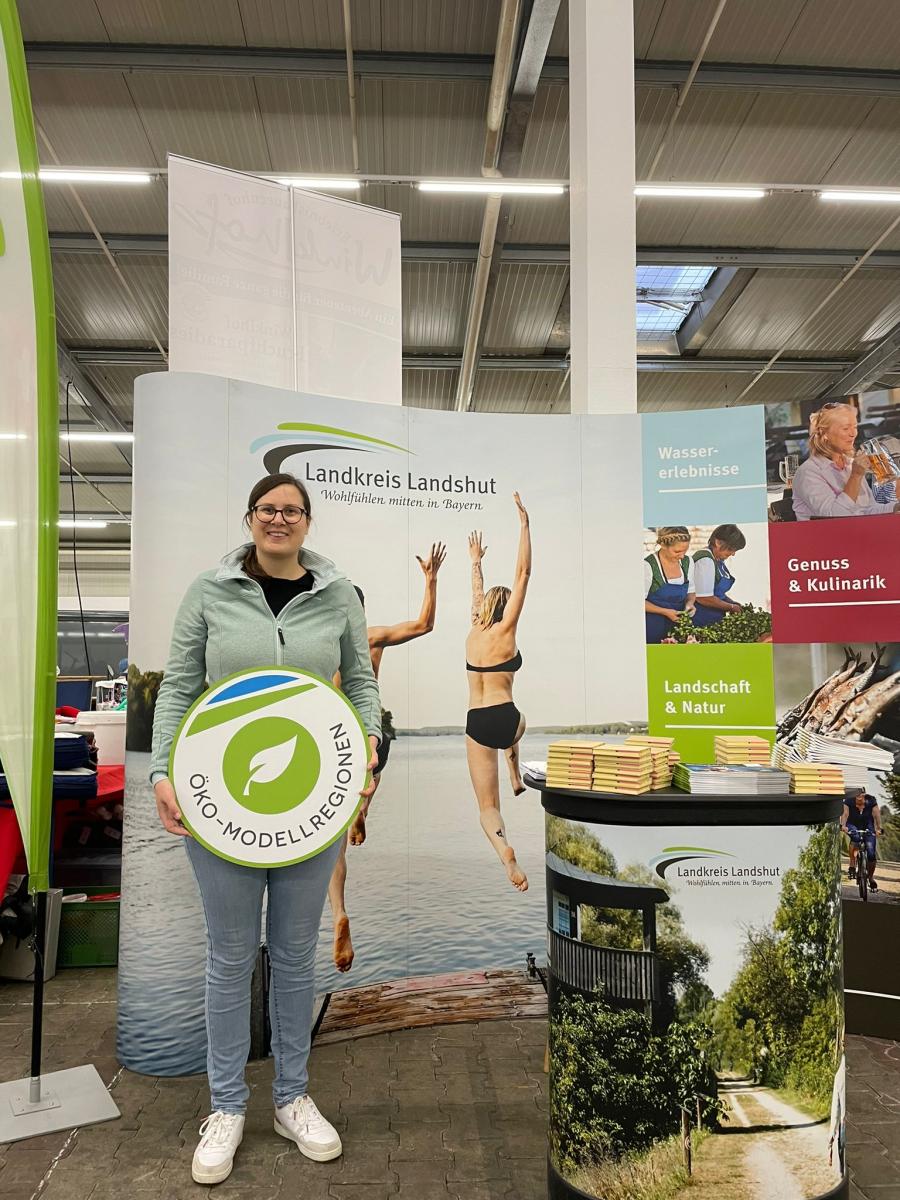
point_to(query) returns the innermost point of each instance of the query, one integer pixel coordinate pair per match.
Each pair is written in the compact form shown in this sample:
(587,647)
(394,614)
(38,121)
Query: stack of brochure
(627,769)
(662,755)
(814,747)
(733,750)
(570,764)
(744,780)
(815,779)
(535,770)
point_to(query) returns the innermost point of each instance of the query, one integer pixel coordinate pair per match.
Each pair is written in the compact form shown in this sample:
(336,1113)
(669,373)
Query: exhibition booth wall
(426,894)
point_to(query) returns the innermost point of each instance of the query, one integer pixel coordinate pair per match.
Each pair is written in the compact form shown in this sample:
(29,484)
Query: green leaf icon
(271,765)
(268,764)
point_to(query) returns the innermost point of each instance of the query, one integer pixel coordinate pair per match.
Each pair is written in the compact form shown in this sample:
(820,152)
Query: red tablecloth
(110,790)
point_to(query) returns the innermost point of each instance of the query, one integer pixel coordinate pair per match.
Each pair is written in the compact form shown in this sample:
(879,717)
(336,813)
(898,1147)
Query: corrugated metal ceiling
(524,308)
(521,392)
(92,307)
(436,127)
(774,302)
(115,381)
(658,390)
(429,389)
(795,32)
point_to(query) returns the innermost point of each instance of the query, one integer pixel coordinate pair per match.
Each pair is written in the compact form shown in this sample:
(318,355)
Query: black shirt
(279,591)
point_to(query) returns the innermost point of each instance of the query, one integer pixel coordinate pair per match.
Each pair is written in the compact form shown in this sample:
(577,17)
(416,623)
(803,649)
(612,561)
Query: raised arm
(476,554)
(523,568)
(405,631)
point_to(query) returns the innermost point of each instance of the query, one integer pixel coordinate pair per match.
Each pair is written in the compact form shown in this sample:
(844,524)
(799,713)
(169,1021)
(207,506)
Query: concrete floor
(431,1114)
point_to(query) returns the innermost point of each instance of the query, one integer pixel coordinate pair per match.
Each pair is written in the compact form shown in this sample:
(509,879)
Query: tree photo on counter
(743,1036)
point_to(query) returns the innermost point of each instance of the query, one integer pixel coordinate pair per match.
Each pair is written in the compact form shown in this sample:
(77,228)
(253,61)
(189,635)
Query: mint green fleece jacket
(224,625)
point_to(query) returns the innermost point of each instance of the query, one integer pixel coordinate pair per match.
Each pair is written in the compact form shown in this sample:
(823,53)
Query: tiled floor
(450,1111)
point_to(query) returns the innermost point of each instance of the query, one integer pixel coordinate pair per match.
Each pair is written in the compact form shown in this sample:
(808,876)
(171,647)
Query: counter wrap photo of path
(764,1149)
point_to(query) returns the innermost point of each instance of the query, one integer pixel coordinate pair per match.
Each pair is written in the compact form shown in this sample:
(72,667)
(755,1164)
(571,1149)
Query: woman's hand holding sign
(167,807)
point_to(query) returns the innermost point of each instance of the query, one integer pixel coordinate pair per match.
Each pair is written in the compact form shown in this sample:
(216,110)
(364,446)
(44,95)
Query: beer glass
(787,468)
(884,469)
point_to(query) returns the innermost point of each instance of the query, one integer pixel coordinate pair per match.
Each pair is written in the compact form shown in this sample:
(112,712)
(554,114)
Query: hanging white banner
(275,285)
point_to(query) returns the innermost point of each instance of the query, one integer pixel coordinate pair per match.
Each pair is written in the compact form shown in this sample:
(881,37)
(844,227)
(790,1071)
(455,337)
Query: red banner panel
(836,581)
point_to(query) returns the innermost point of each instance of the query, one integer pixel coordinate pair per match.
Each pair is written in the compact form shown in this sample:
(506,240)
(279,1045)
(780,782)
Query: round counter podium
(695,990)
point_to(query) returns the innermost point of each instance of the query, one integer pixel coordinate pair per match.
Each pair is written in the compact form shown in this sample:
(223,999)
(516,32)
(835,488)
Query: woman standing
(712,578)
(668,581)
(832,481)
(493,722)
(270,601)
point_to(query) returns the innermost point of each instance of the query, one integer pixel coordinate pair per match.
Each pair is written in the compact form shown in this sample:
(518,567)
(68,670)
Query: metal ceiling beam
(115,354)
(451,362)
(741,366)
(752,77)
(99,407)
(158,244)
(250,60)
(882,358)
(92,477)
(708,313)
(693,256)
(645,362)
(766,257)
(509,114)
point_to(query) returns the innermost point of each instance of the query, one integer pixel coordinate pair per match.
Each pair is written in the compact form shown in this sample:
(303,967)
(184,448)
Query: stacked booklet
(734,751)
(748,779)
(662,755)
(815,779)
(570,764)
(627,769)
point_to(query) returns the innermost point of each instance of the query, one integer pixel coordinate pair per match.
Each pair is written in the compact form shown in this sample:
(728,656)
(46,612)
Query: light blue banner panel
(704,467)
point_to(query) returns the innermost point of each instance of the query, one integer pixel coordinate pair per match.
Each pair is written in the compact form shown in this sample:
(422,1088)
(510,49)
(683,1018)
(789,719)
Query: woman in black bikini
(493,722)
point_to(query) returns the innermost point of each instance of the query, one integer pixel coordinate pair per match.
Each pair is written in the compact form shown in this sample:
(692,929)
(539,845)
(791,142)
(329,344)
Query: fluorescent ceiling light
(317,183)
(68,523)
(8,524)
(97,437)
(865,197)
(13,437)
(491,187)
(90,175)
(699,191)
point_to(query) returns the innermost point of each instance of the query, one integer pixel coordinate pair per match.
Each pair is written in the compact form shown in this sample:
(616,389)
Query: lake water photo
(426,895)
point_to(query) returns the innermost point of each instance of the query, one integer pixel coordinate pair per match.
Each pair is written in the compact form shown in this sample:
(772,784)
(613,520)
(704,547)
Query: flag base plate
(68,1099)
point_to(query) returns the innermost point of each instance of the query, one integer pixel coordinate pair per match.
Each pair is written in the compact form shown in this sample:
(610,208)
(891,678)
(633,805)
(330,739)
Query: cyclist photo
(861,822)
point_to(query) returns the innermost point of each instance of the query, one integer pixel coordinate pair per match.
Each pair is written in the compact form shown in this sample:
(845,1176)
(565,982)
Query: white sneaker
(301,1122)
(220,1136)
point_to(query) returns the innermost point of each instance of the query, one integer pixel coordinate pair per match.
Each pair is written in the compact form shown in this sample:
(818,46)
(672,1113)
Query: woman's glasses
(292,514)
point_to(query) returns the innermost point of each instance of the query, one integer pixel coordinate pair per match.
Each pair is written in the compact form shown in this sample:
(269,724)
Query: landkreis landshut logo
(701,866)
(268,766)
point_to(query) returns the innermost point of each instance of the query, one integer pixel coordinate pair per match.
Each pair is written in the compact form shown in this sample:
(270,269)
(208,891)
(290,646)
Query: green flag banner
(29,464)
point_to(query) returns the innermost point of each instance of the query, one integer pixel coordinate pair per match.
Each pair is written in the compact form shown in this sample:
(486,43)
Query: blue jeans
(232,898)
(864,839)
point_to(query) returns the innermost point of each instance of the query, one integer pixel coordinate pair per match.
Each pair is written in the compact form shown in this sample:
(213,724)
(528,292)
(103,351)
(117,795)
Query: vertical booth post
(601,206)
(29,512)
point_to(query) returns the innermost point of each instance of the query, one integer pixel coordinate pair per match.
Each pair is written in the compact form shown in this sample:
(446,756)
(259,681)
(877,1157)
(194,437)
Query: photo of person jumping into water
(380,637)
(493,722)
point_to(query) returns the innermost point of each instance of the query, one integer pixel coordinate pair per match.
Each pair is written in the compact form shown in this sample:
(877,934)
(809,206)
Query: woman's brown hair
(268,484)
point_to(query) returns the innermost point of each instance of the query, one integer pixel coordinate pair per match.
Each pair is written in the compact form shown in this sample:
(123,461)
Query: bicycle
(862,862)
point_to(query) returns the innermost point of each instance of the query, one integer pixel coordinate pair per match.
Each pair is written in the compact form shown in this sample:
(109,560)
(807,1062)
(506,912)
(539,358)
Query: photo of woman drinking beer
(834,480)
